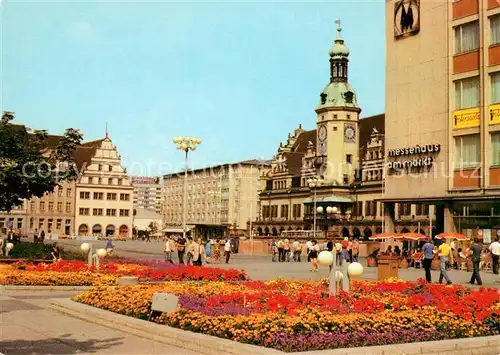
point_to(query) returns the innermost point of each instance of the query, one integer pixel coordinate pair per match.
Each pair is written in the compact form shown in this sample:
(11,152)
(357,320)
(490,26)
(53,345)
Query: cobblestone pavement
(260,267)
(27,327)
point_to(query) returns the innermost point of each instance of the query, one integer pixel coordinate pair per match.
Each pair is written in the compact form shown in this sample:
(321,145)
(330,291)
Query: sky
(238,75)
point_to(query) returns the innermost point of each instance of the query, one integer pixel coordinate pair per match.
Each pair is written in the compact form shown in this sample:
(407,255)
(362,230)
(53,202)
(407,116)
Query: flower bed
(69,273)
(300,316)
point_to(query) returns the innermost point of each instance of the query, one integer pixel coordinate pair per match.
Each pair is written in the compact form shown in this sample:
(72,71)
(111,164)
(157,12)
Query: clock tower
(338,120)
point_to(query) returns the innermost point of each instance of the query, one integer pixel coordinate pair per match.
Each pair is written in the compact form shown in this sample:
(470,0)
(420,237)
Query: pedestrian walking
(313,256)
(444,256)
(297,251)
(309,245)
(181,249)
(208,252)
(215,248)
(189,251)
(169,249)
(227,250)
(475,252)
(109,246)
(355,251)
(281,250)
(428,250)
(495,255)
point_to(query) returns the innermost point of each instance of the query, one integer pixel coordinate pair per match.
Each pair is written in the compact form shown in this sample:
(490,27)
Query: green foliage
(40,251)
(29,167)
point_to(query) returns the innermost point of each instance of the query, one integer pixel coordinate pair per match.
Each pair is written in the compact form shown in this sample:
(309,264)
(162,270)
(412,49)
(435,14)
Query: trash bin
(387,267)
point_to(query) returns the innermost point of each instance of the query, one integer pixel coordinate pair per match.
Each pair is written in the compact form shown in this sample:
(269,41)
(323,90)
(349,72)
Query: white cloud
(81,31)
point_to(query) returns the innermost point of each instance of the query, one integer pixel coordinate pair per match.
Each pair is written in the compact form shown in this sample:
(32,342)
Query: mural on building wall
(406,18)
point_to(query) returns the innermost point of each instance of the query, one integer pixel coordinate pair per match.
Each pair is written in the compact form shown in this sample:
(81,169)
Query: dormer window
(323,98)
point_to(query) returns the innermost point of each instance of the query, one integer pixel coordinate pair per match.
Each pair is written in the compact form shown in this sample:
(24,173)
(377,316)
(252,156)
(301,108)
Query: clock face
(322,133)
(349,134)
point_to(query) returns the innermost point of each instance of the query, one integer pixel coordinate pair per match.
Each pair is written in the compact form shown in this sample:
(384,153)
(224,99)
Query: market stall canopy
(412,237)
(458,236)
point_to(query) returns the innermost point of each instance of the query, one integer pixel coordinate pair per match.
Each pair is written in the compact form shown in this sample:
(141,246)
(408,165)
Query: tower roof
(339,49)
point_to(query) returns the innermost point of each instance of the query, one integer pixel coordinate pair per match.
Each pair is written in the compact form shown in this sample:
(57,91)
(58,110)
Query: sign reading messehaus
(413,157)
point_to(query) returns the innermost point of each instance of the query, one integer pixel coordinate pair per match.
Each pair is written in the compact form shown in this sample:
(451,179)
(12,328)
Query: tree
(29,165)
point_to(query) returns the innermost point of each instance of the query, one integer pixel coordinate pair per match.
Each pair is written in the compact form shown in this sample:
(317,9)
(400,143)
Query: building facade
(148,193)
(221,200)
(442,137)
(104,193)
(347,153)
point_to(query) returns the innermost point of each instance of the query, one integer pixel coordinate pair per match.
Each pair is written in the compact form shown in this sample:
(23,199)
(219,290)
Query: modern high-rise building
(148,193)
(442,130)
(220,200)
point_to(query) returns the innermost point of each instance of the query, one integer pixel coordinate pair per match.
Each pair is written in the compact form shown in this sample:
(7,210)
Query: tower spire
(338,57)
(107,136)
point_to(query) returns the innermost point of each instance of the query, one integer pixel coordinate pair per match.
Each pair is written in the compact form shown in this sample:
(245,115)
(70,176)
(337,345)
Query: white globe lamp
(101,253)
(85,247)
(319,209)
(9,246)
(329,210)
(335,209)
(355,270)
(325,258)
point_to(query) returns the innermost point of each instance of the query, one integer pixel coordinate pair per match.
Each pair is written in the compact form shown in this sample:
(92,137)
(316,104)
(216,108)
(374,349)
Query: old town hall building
(339,165)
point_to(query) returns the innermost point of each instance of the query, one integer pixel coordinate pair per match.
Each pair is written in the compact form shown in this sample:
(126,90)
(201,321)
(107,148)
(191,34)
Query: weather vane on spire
(339,26)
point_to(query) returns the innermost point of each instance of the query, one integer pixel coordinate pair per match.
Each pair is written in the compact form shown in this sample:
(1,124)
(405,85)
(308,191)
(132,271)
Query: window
(91,180)
(19,223)
(49,225)
(467,37)
(41,223)
(124,197)
(495,88)
(59,207)
(404,209)
(59,191)
(111,196)
(68,222)
(68,207)
(120,181)
(495,29)
(348,158)
(84,195)
(51,206)
(58,224)
(110,181)
(422,209)
(110,168)
(110,212)
(42,206)
(84,211)
(97,212)
(467,93)
(467,151)
(125,213)
(98,196)
(495,148)
(32,205)
(100,167)
(68,193)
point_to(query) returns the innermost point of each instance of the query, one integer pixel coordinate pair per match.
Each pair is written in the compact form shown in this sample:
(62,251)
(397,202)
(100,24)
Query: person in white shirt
(169,249)
(227,250)
(495,255)
(309,245)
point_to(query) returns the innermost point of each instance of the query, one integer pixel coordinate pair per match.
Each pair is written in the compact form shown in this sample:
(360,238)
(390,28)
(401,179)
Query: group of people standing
(282,250)
(196,251)
(445,252)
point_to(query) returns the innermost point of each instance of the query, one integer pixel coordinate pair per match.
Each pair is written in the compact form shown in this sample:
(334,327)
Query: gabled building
(104,193)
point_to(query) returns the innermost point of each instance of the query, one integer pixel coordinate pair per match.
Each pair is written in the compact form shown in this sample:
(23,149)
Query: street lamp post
(185,144)
(314,183)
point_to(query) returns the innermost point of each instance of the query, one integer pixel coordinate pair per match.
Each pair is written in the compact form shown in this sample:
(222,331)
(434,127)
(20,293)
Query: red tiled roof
(84,153)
